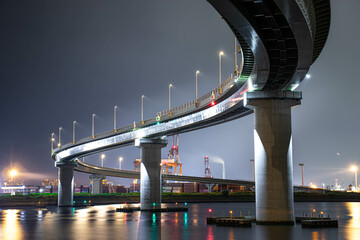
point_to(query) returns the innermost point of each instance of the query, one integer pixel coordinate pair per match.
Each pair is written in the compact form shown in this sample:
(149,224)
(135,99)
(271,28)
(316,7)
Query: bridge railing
(202,101)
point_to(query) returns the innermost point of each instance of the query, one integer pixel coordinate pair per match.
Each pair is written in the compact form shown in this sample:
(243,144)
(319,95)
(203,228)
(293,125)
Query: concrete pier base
(150,172)
(96,181)
(210,186)
(66,183)
(273,156)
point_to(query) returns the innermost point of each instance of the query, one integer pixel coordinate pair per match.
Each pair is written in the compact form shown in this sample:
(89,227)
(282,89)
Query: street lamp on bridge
(170,85)
(116,107)
(74,123)
(59,143)
(120,160)
(236,72)
(220,54)
(93,126)
(52,142)
(102,160)
(142,110)
(196,88)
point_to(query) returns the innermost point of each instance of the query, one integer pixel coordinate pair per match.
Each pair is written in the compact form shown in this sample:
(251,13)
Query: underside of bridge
(280,40)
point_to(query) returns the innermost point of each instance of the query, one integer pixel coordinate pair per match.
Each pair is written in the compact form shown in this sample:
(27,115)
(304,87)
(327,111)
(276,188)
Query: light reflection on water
(353,226)
(10,229)
(103,222)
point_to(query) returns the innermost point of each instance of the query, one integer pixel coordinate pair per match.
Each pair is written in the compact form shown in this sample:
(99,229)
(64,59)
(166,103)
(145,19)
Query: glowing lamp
(13,173)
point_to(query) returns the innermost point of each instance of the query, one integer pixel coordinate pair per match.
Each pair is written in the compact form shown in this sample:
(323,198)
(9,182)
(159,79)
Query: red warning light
(210,210)
(212,103)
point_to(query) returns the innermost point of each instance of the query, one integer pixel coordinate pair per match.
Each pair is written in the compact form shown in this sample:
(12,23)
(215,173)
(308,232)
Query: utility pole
(253,168)
(302,174)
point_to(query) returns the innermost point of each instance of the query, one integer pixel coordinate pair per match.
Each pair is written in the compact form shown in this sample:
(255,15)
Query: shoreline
(216,197)
(121,198)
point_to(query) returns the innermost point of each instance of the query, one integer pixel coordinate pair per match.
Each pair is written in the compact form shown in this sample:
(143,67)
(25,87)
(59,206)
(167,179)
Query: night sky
(62,61)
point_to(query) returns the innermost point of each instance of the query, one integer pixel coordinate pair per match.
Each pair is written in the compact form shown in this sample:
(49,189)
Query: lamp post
(93,126)
(102,160)
(52,142)
(236,72)
(302,174)
(59,143)
(120,160)
(253,168)
(115,118)
(354,168)
(220,54)
(196,88)
(142,109)
(170,85)
(74,123)
(12,174)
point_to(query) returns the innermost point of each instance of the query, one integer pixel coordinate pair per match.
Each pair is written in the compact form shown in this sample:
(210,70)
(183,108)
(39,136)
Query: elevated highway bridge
(280,40)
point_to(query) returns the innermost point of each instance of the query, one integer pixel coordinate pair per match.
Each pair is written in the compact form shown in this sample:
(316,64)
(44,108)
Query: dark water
(102,222)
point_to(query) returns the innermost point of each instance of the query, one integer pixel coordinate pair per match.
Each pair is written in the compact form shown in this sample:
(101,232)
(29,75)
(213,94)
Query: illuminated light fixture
(294,86)
(221,53)
(212,103)
(102,160)
(13,173)
(308,76)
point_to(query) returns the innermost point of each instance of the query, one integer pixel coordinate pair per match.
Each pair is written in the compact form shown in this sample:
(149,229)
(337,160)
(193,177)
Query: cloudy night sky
(62,61)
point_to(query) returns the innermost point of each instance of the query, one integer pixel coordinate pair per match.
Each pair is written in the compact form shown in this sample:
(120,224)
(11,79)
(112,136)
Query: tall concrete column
(150,172)
(273,155)
(66,183)
(96,183)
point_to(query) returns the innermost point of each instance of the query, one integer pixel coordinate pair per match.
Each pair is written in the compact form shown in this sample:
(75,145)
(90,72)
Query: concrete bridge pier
(96,182)
(66,183)
(150,172)
(273,155)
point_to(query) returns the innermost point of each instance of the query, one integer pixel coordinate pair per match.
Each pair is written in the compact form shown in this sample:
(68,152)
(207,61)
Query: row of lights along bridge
(221,53)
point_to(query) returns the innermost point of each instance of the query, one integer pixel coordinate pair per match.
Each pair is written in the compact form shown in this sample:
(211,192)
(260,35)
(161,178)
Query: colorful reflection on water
(103,222)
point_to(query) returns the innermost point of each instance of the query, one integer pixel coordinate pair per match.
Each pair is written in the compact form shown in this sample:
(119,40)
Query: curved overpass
(89,168)
(280,39)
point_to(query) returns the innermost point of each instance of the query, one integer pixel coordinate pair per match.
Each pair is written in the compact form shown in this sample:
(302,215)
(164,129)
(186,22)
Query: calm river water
(102,222)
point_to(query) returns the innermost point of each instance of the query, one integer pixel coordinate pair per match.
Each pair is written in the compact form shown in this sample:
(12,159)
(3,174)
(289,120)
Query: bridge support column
(273,155)
(150,172)
(96,183)
(210,186)
(66,183)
